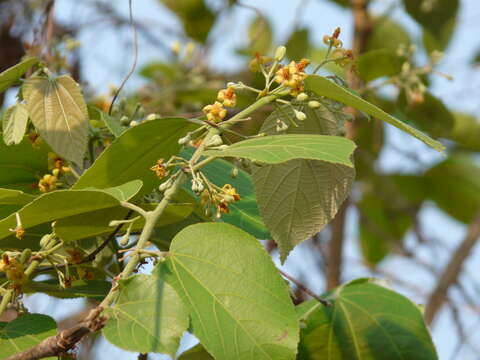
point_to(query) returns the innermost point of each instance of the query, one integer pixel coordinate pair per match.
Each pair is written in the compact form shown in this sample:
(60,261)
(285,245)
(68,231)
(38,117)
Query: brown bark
(452,271)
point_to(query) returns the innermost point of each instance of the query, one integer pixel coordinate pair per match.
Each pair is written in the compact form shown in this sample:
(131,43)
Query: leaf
(324,87)
(132,154)
(454,185)
(243,213)
(14,124)
(197,19)
(60,204)
(11,76)
(387,34)
(22,165)
(430,115)
(238,303)
(95,223)
(298,198)
(298,44)
(112,124)
(466,131)
(440,40)
(14,197)
(366,322)
(147,317)
(24,332)
(378,63)
(59,113)
(94,289)
(434,15)
(198,352)
(277,149)
(260,35)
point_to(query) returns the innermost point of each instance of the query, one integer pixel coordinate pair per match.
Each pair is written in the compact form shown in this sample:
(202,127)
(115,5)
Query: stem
(5,301)
(133,207)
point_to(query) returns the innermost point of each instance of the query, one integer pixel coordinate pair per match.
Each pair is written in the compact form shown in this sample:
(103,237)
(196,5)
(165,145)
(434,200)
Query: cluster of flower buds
(292,76)
(258,61)
(160,169)
(341,56)
(216,112)
(58,167)
(227,96)
(48,183)
(219,199)
(333,40)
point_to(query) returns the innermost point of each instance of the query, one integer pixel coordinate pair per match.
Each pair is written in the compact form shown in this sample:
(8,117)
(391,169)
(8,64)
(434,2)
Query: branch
(65,339)
(452,271)
(305,289)
(335,250)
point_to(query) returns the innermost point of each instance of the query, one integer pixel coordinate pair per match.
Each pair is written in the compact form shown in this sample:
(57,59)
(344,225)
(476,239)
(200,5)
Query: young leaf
(10,76)
(238,303)
(260,35)
(277,149)
(243,213)
(14,124)
(198,352)
(132,154)
(324,87)
(59,113)
(93,289)
(299,197)
(24,332)
(147,317)
(365,322)
(60,204)
(22,165)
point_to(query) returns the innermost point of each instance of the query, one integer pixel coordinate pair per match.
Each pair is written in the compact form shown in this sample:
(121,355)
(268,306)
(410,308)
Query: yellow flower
(230,191)
(47,183)
(160,169)
(292,75)
(227,97)
(57,164)
(215,112)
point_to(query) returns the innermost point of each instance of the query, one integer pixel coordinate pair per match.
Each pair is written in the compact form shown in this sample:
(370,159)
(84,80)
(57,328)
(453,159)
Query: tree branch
(65,339)
(304,288)
(452,271)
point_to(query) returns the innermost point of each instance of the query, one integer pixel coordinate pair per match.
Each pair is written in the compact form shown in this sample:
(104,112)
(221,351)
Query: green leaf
(59,113)
(24,332)
(466,131)
(11,76)
(260,35)
(14,124)
(60,204)
(430,115)
(112,124)
(324,87)
(439,41)
(365,322)
(298,198)
(432,15)
(14,197)
(197,19)
(298,44)
(378,63)
(95,223)
(147,317)
(94,289)
(238,303)
(132,154)
(454,185)
(22,165)
(387,34)
(277,149)
(198,352)
(243,213)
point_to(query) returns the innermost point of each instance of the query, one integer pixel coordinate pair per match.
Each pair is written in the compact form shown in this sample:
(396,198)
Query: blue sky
(107,56)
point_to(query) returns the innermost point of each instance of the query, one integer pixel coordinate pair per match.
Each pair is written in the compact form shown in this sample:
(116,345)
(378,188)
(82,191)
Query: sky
(107,57)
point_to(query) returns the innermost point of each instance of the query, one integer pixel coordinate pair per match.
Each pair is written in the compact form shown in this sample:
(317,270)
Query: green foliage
(25,332)
(277,149)
(94,289)
(366,321)
(14,124)
(466,131)
(300,197)
(64,203)
(259,35)
(147,317)
(378,63)
(327,88)
(245,313)
(298,44)
(59,113)
(387,34)
(132,154)
(13,74)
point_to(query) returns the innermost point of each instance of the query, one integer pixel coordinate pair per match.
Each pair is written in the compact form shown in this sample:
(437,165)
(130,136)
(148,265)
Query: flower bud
(299,115)
(280,53)
(134,123)
(165,185)
(151,117)
(313,104)
(234,172)
(302,97)
(184,140)
(124,120)
(125,239)
(216,140)
(116,223)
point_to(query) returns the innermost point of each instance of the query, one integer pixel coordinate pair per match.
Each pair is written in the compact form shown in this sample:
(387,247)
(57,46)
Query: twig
(452,271)
(64,340)
(135,58)
(335,249)
(304,288)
